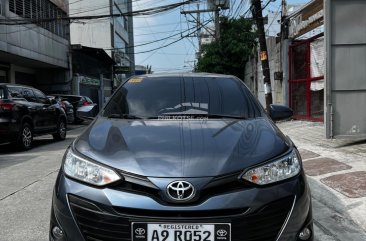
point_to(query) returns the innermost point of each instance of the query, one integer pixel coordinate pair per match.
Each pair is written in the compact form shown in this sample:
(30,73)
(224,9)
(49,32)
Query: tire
(60,135)
(78,121)
(25,138)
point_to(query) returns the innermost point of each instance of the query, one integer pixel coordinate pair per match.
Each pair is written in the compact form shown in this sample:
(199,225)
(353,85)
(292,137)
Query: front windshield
(159,96)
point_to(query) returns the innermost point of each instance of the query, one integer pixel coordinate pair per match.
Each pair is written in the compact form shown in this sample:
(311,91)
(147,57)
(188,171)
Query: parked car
(182,157)
(26,112)
(68,108)
(76,101)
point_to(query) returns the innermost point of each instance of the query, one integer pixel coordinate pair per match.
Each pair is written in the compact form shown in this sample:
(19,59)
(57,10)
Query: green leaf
(230,54)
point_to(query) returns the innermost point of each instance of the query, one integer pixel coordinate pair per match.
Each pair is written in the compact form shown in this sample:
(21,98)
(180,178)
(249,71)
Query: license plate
(180,232)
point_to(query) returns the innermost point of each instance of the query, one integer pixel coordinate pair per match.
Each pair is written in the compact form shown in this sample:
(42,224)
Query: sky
(171,26)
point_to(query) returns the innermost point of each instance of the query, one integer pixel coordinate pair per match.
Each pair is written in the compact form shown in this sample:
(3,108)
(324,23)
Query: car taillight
(6,105)
(85,103)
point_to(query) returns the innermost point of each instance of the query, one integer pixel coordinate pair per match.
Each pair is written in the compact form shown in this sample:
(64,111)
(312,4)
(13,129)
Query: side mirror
(280,112)
(52,101)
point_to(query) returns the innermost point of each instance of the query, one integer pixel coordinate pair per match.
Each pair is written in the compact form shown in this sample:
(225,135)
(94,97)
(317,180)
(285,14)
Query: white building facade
(113,34)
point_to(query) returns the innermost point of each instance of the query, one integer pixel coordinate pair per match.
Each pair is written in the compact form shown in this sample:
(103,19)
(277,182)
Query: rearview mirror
(280,112)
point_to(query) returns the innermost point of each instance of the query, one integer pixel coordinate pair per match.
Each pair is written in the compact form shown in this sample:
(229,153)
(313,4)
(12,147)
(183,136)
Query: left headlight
(86,171)
(281,169)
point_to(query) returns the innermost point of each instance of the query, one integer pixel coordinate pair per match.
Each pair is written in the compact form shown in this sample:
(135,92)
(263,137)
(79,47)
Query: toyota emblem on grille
(180,191)
(140,231)
(221,233)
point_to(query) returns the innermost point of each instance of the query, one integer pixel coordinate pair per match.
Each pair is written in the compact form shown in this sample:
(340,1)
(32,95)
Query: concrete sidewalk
(336,171)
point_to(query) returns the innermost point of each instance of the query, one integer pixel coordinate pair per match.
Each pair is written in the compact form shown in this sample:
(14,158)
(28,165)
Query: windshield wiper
(225,116)
(124,116)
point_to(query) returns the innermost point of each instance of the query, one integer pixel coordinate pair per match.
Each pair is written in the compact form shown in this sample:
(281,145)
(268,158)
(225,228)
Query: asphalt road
(27,179)
(26,184)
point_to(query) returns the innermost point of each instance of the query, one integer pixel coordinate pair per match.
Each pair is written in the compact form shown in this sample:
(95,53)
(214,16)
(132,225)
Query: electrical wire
(166,45)
(274,18)
(148,11)
(182,37)
(162,39)
(237,8)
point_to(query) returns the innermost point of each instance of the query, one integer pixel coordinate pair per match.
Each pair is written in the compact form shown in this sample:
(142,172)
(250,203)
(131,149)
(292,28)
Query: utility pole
(257,15)
(284,47)
(217,23)
(199,28)
(213,6)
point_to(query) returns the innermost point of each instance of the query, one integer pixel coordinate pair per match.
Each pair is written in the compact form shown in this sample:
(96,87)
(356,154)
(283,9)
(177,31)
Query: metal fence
(306,83)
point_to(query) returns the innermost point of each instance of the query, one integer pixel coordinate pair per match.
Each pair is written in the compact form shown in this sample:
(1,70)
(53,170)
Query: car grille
(263,225)
(98,225)
(217,186)
(104,224)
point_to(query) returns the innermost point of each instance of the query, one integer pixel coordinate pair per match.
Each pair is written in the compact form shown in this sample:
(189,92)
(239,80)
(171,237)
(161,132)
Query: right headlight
(86,171)
(281,169)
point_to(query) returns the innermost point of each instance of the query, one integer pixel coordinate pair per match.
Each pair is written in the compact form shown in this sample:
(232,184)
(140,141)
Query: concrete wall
(99,33)
(254,75)
(91,33)
(251,76)
(33,42)
(63,4)
(32,55)
(345,39)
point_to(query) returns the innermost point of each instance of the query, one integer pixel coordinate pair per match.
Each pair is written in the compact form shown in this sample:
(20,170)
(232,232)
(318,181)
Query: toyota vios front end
(182,158)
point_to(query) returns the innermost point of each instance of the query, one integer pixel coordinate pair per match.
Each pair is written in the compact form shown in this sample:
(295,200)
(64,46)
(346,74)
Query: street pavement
(26,184)
(335,170)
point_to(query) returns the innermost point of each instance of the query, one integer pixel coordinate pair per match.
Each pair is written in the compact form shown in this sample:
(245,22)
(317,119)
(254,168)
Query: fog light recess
(57,232)
(305,234)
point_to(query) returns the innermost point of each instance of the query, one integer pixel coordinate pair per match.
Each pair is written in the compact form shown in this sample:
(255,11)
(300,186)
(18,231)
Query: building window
(122,4)
(119,43)
(41,10)
(119,19)
(27,9)
(119,8)
(12,6)
(125,23)
(19,7)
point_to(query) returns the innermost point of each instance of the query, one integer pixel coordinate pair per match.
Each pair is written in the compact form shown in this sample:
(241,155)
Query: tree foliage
(229,54)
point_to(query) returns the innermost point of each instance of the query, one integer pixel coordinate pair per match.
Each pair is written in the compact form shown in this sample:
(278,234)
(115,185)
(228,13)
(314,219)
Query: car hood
(181,148)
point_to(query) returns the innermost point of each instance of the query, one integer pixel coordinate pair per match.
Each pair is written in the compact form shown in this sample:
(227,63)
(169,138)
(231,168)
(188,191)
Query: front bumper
(277,212)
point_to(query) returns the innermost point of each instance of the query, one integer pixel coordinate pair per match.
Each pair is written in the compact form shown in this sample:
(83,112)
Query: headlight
(284,168)
(86,171)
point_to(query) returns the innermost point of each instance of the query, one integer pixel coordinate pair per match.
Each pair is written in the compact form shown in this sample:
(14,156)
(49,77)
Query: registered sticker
(135,80)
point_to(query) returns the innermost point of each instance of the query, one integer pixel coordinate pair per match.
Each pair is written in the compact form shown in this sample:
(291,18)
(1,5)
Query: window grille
(12,6)
(42,10)
(34,11)
(19,7)
(27,9)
